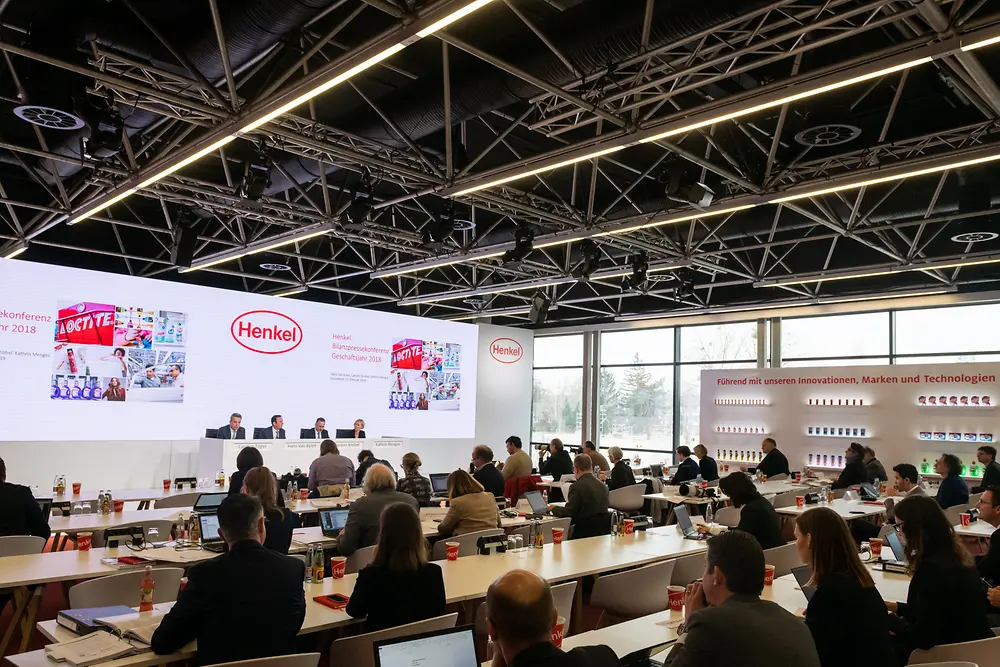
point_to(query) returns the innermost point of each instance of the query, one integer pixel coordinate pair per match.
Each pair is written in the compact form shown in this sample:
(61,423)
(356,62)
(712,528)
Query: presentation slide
(96,356)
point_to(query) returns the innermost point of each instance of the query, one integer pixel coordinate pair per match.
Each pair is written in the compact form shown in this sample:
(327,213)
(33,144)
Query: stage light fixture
(591,261)
(523,239)
(539,310)
(256,177)
(640,266)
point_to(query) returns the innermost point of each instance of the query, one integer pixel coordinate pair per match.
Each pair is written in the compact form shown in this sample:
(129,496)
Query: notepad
(136,625)
(95,648)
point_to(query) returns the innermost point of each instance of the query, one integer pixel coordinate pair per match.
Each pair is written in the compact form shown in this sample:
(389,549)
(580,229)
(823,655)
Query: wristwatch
(682,628)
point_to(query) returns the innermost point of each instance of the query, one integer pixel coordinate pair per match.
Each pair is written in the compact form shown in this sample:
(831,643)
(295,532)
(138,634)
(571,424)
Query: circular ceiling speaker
(828,135)
(464,225)
(54,119)
(974,237)
(267,266)
(661,277)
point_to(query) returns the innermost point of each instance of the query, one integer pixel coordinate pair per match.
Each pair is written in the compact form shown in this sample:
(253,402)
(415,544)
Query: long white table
(848,509)
(142,496)
(977,529)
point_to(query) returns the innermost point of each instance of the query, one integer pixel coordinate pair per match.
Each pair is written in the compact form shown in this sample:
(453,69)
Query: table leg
(28,622)
(576,624)
(20,604)
(143,505)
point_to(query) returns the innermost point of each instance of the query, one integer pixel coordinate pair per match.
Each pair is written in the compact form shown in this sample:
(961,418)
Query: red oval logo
(506,350)
(266,332)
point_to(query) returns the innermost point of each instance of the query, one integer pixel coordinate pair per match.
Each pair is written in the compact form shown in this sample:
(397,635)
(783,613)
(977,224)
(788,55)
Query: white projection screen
(96,356)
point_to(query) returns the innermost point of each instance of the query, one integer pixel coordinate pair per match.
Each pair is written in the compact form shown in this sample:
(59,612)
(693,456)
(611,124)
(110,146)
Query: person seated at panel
(276,430)
(953,489)
(907,483)
(600,463)
(485,471)
(873,467)
(621,472)
(358,430)
(757,515)
(148,380)
(233,430)
(279,522)
(944,603)
(687,470)
(470,508)
(587,505)
(249,457)
(366,459)
(20,513)
(987,456)
(222,605)
(708,466)
(330,472)
(846,602)
(520,615)
(412,482)
(774,461)
(518,463)
(361,529)
(854,472)
(318,431)
(557,464)
(726,622)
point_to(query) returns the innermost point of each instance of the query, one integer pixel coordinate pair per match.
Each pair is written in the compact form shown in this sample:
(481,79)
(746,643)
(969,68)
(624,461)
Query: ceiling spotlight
(523,246)
(685,285)
(106,127)
(540,303)
(591,261)
(438,232)
(359,213)
(680,188)
(256,177)
(640,265)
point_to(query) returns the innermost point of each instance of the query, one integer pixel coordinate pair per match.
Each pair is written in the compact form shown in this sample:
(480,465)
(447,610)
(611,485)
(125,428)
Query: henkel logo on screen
(506,350)
(266,332)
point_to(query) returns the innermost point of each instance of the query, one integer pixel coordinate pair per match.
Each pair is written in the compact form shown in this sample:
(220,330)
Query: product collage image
(424,375)
(116,353)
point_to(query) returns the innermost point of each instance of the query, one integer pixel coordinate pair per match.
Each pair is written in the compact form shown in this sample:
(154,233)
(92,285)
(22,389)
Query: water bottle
(697,480)
(100,502)
(709,514)
(295,491)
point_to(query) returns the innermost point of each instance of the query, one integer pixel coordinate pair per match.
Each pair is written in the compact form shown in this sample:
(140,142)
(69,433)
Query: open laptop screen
(536,501)
(454,647)
(209,502)
(209,527)
(332,520)
(684,521)
(439,482)
(803,574)
(892,537)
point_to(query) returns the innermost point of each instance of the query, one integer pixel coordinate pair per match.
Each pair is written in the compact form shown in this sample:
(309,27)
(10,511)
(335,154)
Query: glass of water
(152,535)
(519,546)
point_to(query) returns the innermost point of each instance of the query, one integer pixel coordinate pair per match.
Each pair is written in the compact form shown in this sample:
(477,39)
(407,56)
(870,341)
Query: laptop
(538,505)
(332,521)
(454,647)
(439,483)
(898,561)
(210,538)
(803,574)
(209,502)
(687,526)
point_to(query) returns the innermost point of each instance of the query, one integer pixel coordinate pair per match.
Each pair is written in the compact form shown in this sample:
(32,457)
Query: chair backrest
(783,559)
(21,545)
(634,593)
(547,526)
(163,528)
(467,544)
(974,499)
(562,595)
(953,512)
(688,568)
(728,516)
(628,498)
(779,476)
(839,493)
(786,499)
(123,588)
(357,651)
(980,652)
(297,660)
(359,560)
(180,500)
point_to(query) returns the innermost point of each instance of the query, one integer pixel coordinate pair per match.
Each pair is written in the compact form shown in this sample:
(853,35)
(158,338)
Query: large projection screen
(95,356)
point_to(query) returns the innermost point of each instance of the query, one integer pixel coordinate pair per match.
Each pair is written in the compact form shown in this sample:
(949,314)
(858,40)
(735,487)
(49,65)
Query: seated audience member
(587,506)
(224,603)
(361,529)
(366,459)
(846,602)
(687,470)
(708,467)
(774,461)
(232,430)
(907,482)
(989,513)
(944,604)
(485,471)
(557,465)
(247,459)
(330,471)
(621,472)
(726,622)
(600,463)
(279,522)
(987,456)
(470,508)
(953,489)
(757,515)
(19,511)
(412,482)
(518,463)
(854,472)
(873,467)
(400,567)
(520,615)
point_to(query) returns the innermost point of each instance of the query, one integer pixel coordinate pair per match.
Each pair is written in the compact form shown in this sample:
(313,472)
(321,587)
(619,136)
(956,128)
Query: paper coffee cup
(675,596)
(166,485)
(768,575)
(83,541)
(964,517)
(629,526)
(119,506)
(303,494)
(76,488)
(452,550)
(800,501)
(558,630)
(338,565)
(876,544)
(557,535)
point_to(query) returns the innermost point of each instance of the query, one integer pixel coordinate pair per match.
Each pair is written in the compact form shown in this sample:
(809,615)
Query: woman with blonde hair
(471,508)
(413,482)
(279,522)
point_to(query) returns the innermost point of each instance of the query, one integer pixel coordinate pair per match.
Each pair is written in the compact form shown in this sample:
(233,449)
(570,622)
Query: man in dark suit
(520,615)
(361,529)
(276,432)
(318,432)
(587,505)
(854,472)
(726,622)
(233,430)
(485,471)
(221,605)
(557,464)
(687,470)
(19,511)
(987,455)
(774,462)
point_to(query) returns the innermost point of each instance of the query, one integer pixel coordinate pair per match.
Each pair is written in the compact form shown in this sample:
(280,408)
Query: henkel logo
(266,332)
(506,350)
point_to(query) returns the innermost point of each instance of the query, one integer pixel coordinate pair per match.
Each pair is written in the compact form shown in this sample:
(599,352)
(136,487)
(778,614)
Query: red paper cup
(629,526)
(83,541)
(704,483)
(768,575)
(76,488)
(557,535)
(798,477)
(452,550)
(338,565)
(303,494)
(119,506)
(675,594)
(964,518)
(558,630)
(876,543)
(725,468)
(800,501)
(166,485)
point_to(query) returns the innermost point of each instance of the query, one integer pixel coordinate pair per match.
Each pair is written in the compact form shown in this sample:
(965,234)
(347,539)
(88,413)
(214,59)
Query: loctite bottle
(86,390)
(64,392)
(55,389)
(75,393)
(71,357)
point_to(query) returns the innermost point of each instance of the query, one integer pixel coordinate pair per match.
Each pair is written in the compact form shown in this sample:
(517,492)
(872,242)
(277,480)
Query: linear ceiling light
(981,43)
(492,313)
(15,250)
(261,246)
(389,273)
(926,266)
(292,291)
(541,170)
(670,220)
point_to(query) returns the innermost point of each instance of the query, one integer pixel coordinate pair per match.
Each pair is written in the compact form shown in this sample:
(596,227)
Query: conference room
(455,332)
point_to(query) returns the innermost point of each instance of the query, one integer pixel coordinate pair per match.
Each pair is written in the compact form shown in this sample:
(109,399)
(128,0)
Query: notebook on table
(537,503)
(84,621)
(439,484)
(687,526)
(455,647)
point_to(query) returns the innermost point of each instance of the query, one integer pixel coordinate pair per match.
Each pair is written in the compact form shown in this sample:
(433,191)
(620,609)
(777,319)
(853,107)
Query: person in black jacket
(245,604)
(953,490)
(846,602)
(366,459)
(19,511)
(687,470)
(248,458)
(987,455)
(944,604)
(558,464)
(774,462)
(520,616)
(757,515)
(854,471)
(621,471)
(400,568)
(706,464)
(279,521)
(485,472)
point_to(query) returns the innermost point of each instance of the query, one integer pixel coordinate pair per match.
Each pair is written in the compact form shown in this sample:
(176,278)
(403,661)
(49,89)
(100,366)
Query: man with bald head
(361,528)
(520,615)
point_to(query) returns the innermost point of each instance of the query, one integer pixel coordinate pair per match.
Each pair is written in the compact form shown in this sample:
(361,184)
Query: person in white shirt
(276,431)
(175,377)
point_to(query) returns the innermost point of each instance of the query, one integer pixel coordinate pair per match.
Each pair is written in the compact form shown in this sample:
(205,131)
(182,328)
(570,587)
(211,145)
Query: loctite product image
(72,359)
(75,392)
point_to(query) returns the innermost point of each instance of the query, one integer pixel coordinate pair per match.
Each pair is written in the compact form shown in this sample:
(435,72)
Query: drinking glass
(152,535)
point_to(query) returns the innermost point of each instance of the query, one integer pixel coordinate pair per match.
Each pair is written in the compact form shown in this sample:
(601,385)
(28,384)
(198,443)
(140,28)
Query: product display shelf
(841,437)
(757,431)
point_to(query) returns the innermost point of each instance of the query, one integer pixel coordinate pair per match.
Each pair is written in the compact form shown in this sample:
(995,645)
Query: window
(720,342)
(559,351)
(953,330)
(949,359)
(867,361)
(829,337)
(557,389)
